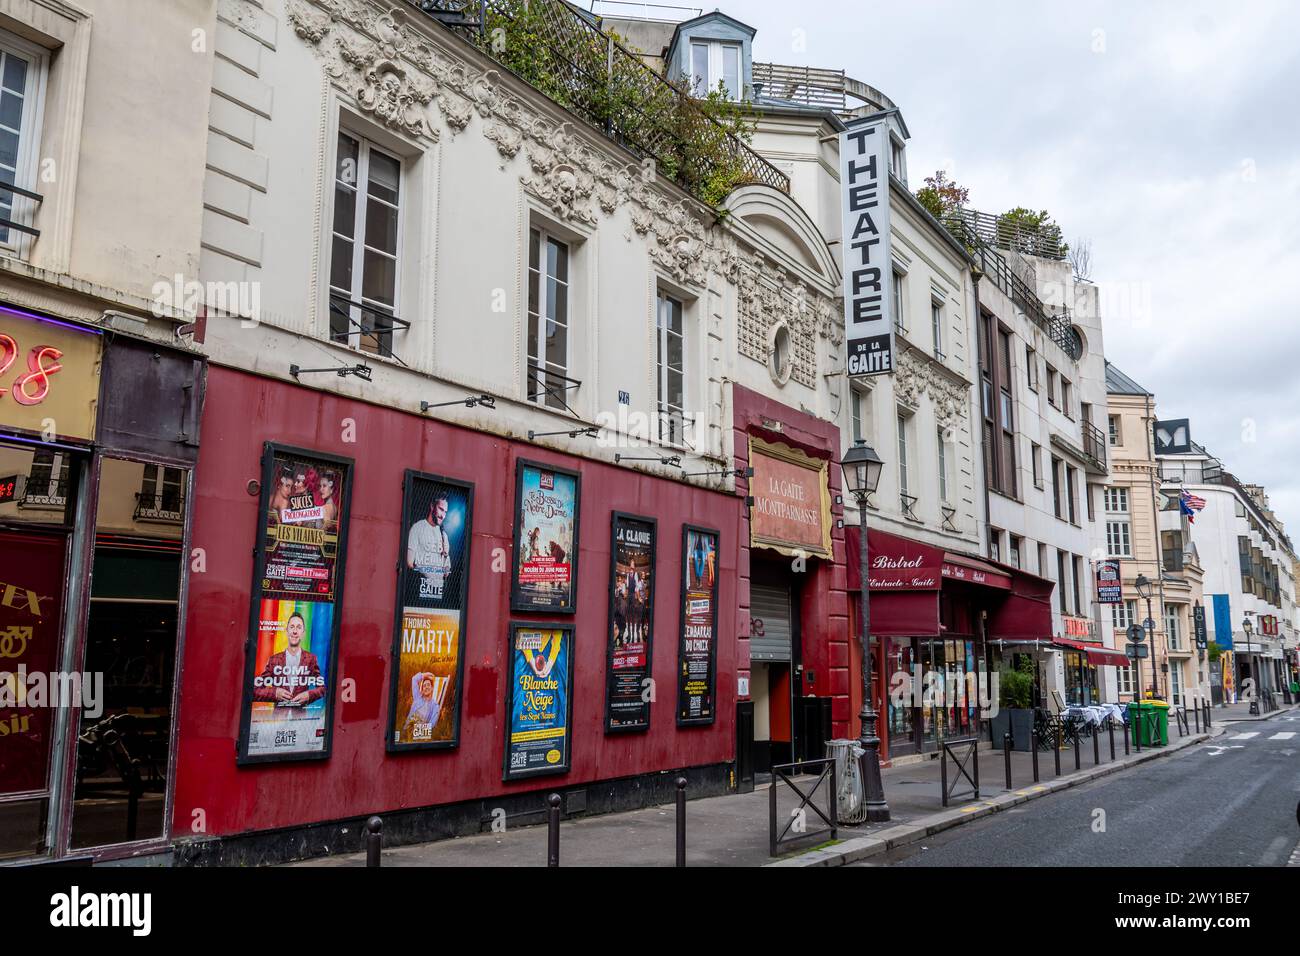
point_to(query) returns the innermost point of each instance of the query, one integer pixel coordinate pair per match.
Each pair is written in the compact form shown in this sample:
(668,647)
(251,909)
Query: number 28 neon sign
(33,386)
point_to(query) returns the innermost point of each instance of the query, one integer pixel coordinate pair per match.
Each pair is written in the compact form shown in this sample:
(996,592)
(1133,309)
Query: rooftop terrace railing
(561,51)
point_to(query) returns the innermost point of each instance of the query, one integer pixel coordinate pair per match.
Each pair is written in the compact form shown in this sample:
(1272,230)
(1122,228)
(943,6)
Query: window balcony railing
(562,52)
(44,494)
(167,507)
(1094,448)
(15,192)
(908,503)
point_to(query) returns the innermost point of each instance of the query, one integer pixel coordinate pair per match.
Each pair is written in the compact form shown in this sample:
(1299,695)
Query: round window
(780,362)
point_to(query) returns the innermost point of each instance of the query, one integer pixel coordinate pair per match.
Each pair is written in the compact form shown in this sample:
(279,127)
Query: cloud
(1164,133)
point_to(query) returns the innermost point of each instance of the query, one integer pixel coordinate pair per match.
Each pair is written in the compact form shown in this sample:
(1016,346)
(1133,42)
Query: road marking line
(1247,736)
(1283,735)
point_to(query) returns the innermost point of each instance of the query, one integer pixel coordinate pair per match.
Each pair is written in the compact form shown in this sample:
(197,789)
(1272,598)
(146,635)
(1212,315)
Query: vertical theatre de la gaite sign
(868,272)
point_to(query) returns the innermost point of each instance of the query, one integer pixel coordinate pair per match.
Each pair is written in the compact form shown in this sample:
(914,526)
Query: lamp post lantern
(862,467)
(1143,586)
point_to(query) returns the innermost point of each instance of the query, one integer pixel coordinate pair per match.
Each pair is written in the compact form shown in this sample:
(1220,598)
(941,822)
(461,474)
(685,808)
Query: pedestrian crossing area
(1252,734)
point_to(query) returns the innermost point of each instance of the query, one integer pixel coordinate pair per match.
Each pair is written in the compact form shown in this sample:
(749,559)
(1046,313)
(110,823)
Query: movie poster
(292,649)
(546,539)
(697,653)
(631,622)
(538,702)
(428,645)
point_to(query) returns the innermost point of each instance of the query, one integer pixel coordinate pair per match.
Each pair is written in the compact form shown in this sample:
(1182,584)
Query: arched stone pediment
(779,220)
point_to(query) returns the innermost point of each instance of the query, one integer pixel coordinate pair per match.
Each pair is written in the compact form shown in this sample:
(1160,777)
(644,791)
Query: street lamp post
(1249,628)
(1144,591)
(862,467)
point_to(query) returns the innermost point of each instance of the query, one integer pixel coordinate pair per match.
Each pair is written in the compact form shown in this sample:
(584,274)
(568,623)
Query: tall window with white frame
(714,62)
(22,81)
(896,305)
(1173,627)
(364,255)
(1119,536)
(936,325)
(548,320)
(860,413)
(943,466)
(671,370)
(903,486)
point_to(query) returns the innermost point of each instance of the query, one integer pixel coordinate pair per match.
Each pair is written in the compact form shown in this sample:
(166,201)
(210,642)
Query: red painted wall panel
(242,411)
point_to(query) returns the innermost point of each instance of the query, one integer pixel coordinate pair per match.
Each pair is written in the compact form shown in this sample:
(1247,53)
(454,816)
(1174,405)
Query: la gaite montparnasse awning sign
(868,273)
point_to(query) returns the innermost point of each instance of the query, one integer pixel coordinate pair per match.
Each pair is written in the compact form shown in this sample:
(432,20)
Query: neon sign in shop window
(32,387)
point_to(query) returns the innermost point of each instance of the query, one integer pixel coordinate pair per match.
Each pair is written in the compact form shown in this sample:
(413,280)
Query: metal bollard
(1127,734)
(1196,712)
(1006,756)
(1078,755)
(374,840)
(1207,715)
(681,821)
(553,830)
(1096,747)
(943,773)
(1056,749)
(1110,731)
(1033,750)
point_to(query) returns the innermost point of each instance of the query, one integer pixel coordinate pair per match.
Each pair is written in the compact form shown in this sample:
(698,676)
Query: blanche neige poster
(538,700)
(546,539)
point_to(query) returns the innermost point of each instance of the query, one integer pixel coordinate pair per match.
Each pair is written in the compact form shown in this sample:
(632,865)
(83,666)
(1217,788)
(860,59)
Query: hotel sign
(792,502)
(868,269)
(49,376)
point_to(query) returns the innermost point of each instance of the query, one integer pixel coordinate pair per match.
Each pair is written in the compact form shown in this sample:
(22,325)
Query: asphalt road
(1230,802)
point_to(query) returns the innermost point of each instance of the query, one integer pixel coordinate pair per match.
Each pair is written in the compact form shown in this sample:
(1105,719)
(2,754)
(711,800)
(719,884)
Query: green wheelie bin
(1149,723)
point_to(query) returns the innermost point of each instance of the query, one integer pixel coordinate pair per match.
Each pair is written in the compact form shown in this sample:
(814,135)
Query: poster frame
(269,450)
(518,601)
(566,765)
(614,519)
(409,479)
(681,630)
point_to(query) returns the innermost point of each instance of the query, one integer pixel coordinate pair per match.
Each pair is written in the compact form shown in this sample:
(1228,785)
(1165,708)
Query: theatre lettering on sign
(792,502)
(868,269)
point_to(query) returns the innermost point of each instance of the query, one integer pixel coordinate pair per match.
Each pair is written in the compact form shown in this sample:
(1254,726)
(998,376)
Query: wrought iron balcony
(13,192)
(565,55)
(1094,448)
(818,89)
(167,507)
(45,494)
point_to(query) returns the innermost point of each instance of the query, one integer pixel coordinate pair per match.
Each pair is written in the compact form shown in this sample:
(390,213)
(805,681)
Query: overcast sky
(1167,134)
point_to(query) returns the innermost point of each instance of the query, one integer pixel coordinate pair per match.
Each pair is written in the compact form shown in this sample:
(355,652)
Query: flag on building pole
(1189,504)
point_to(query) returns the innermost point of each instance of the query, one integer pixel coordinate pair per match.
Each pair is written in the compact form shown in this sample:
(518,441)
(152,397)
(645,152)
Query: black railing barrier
(553,830)
(374,840)
(681,821)
(786,773)
(961,750)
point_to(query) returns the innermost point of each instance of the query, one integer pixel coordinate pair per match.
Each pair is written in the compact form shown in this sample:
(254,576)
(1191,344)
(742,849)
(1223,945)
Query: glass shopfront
(1081,687)
(96,458)
(944,702)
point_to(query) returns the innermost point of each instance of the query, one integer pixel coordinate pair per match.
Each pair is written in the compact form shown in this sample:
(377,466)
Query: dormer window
(897,166)
(714,62)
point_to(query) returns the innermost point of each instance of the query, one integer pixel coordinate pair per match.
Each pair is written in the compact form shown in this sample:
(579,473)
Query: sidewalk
(1241,711)
(733,830)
